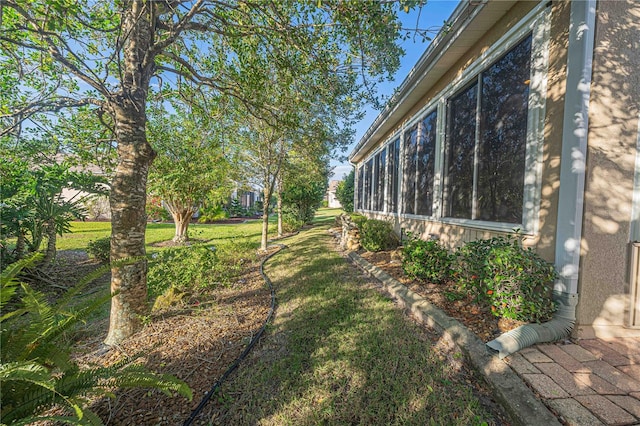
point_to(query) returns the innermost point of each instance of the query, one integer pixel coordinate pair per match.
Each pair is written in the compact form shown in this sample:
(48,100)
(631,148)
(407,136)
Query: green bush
(358,219)
(377,235)
(520,284)
(198,266)
(345,191)
(468,268)
(183,268)
(291,225)
(100,249)
(212,213)
(426,260)
(514,281)
(36,368)
(291,220)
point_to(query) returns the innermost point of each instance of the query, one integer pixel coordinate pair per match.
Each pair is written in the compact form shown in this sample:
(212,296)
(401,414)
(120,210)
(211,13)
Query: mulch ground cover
(475,317)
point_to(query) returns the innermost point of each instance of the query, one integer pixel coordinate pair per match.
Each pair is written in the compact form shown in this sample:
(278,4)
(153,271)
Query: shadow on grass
(340,353)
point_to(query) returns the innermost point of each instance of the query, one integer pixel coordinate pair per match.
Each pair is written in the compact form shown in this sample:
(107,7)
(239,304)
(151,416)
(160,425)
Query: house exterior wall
(454,235)
(614,111)
(611,219)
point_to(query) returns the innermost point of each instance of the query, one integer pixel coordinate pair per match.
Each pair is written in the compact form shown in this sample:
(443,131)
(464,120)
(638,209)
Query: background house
(523,115)
(330,196)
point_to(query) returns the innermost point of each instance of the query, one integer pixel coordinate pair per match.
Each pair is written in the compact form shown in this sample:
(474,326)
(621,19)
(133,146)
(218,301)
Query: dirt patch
(171,243)
(476,318)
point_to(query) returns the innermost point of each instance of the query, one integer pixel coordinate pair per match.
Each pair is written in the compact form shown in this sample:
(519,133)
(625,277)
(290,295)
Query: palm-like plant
(37,372)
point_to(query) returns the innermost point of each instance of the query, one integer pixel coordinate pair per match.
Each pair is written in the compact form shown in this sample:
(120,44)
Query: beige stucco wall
(614,114)
(613,135)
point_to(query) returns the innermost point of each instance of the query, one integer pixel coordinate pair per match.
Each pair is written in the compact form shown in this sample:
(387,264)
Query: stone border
(519,401)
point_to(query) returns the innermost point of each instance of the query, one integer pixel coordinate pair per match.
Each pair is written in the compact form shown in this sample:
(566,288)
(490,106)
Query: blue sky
(433,14)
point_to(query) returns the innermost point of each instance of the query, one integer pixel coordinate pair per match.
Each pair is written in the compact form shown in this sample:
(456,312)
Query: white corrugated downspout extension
(571,193)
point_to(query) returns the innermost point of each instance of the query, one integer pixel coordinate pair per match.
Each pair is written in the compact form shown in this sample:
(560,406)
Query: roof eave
(414,84)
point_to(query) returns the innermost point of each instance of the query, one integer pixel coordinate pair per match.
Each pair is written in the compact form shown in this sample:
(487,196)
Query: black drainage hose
(246,351)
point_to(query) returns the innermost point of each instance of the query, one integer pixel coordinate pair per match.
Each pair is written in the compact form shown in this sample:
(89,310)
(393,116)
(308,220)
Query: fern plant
(37,372)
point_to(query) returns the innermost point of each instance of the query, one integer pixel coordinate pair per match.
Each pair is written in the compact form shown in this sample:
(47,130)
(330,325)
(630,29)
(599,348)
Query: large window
(381,161)
(486,141)
(426,164)
(409,173)
(394,175)
(461,136)
(359,201)
(367,184)
(375,180)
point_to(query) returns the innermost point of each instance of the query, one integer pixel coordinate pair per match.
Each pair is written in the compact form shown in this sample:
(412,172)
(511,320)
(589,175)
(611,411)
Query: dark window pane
(503,136)
(461,141)
(375,182)
(368,205)
(394,165)
(381,179)
(360,204)
(426,164)
(409,175)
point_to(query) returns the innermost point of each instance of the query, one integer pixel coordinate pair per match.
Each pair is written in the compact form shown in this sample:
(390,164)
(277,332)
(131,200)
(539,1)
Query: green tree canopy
(345,191)
(190,167)
(107,55)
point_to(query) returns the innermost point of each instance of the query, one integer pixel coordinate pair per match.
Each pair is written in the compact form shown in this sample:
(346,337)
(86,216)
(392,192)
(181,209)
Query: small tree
(345,192)
(304,186)
(190,167)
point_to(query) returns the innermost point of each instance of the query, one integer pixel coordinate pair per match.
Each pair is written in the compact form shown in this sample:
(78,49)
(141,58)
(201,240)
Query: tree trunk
(20,245)
(265,219)
(181,219)
(50,253)
(128,223)
(279,198)
(129,185)
(279,201)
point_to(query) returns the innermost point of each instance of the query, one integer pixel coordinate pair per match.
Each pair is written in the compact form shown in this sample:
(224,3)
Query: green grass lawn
(340,353)
(83,232)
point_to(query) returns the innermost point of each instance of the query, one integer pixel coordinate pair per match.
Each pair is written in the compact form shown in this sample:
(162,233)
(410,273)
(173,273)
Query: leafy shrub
(377,235)
(235,208)
(100,249)
(291,225)
(345,191)
(358,219)
(198,266)
(519,283)
(291,220)
(183,268)
(426,260)
(514,281)
(212,213)
(469,263)
(36,368)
